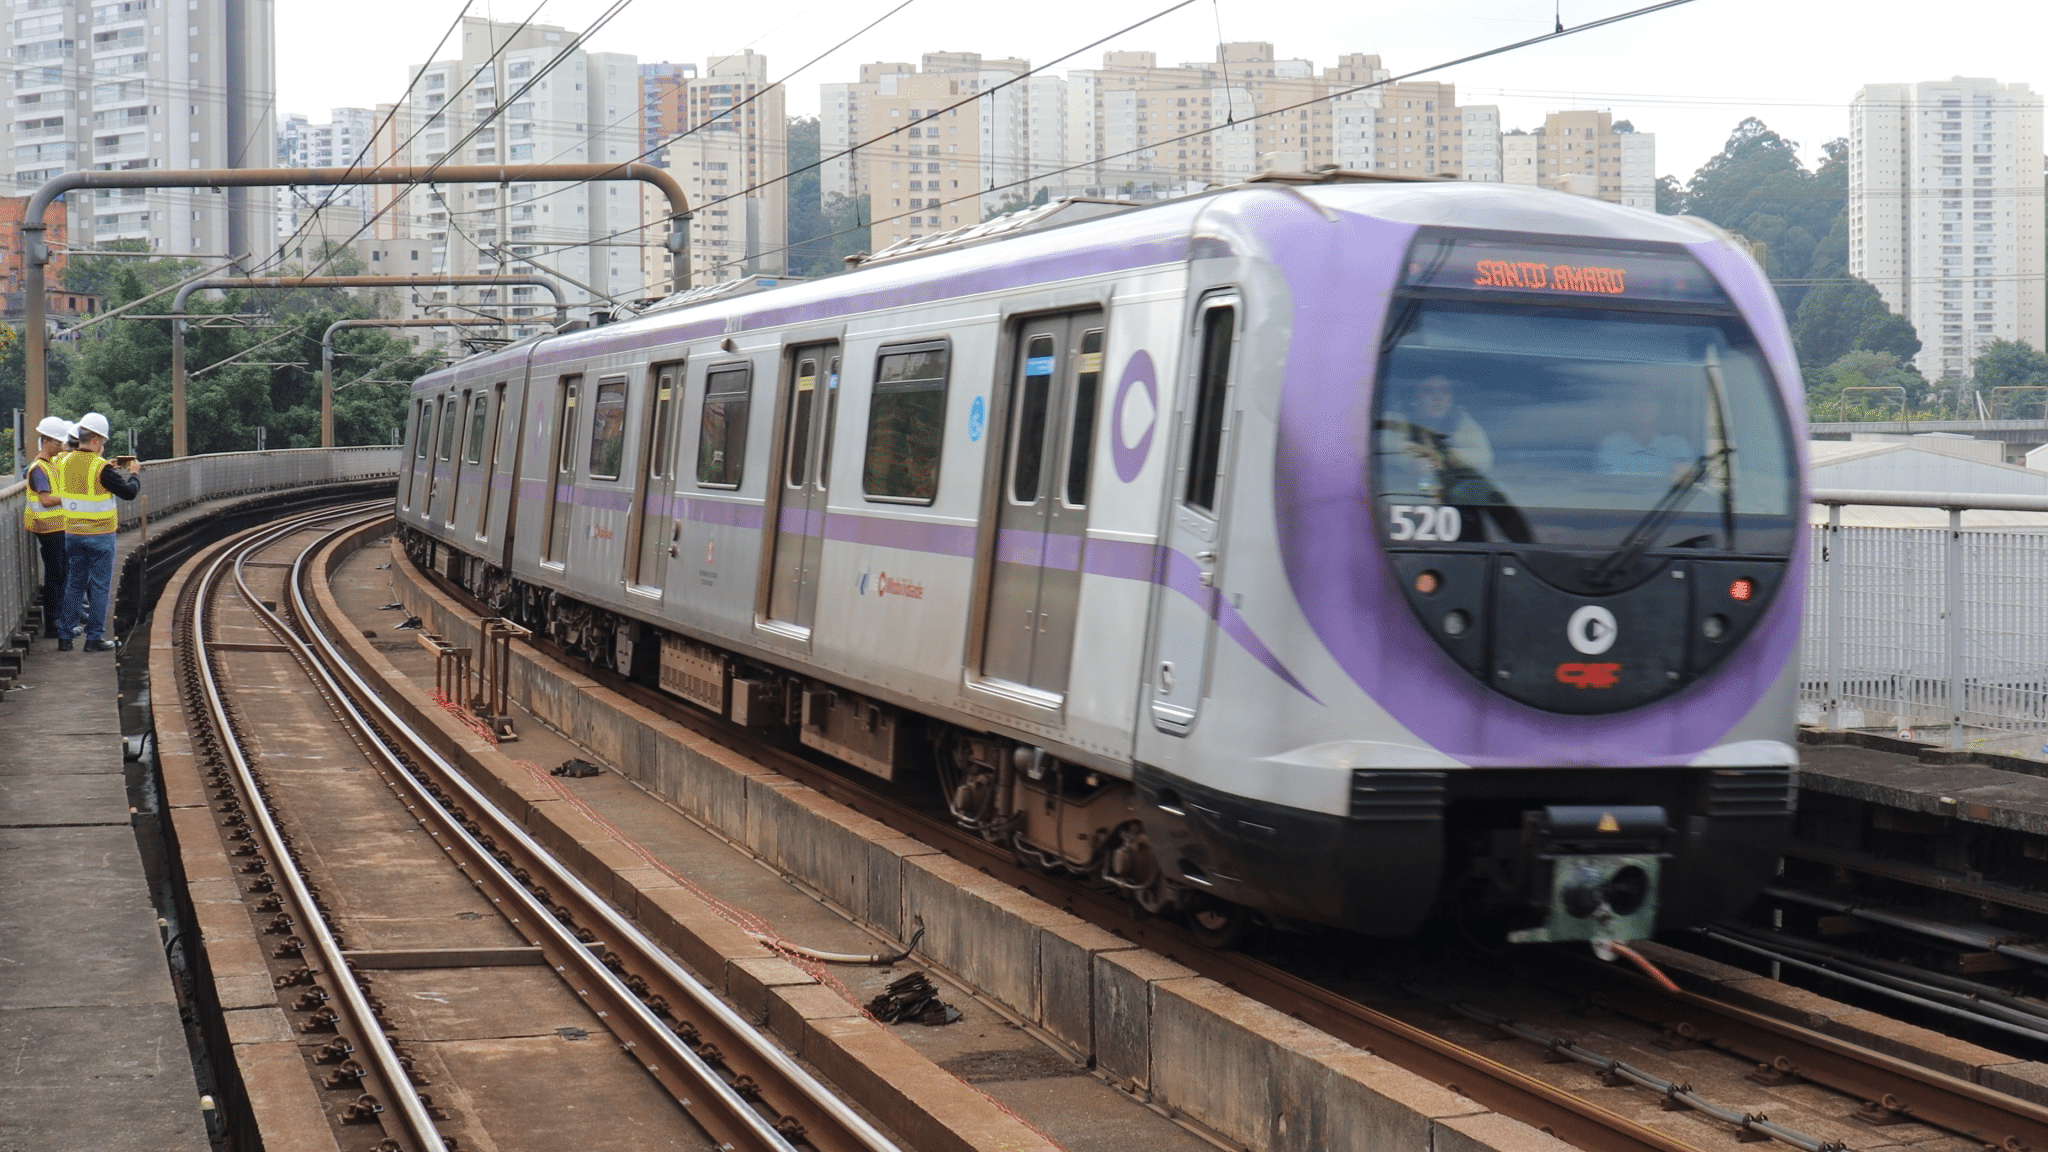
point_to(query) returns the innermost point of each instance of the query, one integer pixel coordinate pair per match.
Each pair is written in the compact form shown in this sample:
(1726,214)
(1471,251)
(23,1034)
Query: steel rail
(1891,1086)
(370,1036)
(680,1051)
(1470,1073)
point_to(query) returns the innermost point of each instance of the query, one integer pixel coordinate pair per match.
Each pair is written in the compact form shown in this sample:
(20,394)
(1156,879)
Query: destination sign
(1486,264)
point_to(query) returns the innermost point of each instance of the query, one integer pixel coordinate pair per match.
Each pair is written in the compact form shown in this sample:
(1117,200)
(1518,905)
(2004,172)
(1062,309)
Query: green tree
(2011,364)
(1842,315)
(1825,399)
(1670,196)
(823,231)
(1756,187)
(123,370)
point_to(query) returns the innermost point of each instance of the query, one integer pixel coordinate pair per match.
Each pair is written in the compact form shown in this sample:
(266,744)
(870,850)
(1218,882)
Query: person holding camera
(88,484)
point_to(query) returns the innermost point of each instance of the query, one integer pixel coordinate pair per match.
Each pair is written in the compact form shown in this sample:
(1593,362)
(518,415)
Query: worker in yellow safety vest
(88,485)
(42,514)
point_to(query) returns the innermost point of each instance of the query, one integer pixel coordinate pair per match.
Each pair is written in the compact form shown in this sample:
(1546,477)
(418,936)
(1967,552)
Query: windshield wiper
(1647,529)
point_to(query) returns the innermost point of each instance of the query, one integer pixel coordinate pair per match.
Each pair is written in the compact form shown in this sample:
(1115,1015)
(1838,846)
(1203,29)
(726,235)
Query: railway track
(731,1080)
(1880,1090)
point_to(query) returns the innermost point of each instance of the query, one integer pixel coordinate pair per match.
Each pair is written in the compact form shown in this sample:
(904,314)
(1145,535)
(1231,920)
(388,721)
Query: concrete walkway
(92,1052)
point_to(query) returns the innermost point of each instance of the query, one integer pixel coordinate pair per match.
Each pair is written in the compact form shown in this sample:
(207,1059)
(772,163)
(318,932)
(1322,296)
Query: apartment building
(308,213)
(730,150)
(524,95)
(1587,153)
(664,104)
(943,143)
(1418,128)
(1945,211)
(117,86)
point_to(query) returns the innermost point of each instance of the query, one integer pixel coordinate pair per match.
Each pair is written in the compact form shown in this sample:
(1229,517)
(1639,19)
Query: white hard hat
(94,423)
(54,428)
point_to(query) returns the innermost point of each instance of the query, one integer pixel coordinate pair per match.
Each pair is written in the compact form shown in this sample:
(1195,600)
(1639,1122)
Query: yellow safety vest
(88,507)
(34,516)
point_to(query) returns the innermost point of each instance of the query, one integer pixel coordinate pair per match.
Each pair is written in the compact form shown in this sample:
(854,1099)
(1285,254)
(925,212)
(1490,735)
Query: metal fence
(1939,634)
(170,485)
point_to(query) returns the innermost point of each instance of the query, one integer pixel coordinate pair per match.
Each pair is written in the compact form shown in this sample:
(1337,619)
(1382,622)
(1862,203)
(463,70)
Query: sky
(1688,74)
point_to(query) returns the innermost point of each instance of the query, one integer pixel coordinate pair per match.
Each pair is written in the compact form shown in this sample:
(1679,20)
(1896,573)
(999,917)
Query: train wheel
(1219,924)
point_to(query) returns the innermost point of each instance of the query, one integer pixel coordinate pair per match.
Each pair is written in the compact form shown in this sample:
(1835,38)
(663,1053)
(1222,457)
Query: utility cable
(371,140)
(575,44)
(724,113)
(1466,59)
(987,94)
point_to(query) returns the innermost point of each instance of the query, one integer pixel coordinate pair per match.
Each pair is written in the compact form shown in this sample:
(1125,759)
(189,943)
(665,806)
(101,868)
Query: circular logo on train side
(1134,416)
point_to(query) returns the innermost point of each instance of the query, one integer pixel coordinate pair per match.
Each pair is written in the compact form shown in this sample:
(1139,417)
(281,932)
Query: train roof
(1081,236)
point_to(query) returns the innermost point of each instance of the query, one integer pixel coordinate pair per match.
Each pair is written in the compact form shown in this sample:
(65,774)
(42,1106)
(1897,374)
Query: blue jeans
(91,563)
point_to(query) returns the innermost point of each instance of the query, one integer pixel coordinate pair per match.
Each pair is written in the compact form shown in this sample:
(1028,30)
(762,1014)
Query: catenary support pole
(36,337)
(178,376)
(327,355)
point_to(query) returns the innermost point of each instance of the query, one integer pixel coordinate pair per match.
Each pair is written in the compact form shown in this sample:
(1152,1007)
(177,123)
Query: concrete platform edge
(270,1088)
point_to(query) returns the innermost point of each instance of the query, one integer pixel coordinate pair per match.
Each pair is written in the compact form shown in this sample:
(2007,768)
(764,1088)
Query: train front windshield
(1575,399)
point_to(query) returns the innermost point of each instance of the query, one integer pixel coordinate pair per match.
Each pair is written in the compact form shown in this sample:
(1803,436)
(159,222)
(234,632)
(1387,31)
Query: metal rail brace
(493,703)
(451,669)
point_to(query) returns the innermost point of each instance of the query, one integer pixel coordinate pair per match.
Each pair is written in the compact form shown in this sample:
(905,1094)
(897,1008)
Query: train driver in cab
(1638,448)
(1436,439)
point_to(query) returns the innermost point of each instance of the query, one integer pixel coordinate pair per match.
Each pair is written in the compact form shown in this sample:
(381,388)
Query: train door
(654,532)
(1042,507)
(1184,616)
(441,466)
(470,452)
(422,441)
(798,543)
(562,471)
(489,474)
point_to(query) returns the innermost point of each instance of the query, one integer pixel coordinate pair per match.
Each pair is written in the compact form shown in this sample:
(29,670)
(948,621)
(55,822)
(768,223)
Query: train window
(906,424)
(565,471)
(801,417)
(448,422)
(422,427)
(1081,430)
(479,418)
(664,409)
(608,430)
(722,437)
(1027,445)
(1212,388)
(831,421)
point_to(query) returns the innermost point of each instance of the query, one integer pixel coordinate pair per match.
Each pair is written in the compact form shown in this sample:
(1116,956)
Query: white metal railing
(169,485)
(1940,634)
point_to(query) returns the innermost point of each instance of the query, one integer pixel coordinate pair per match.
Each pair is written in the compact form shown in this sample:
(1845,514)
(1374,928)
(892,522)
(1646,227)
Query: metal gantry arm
(327,354)
(37,337)
(178,323)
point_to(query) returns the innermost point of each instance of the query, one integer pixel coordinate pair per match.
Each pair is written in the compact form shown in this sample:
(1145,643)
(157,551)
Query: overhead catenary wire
(1517,45)
(603,18)
(370,142)
(850,150)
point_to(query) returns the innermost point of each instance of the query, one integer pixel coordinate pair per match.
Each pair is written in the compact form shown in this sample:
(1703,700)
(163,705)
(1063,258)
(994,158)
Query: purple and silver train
(1332,552)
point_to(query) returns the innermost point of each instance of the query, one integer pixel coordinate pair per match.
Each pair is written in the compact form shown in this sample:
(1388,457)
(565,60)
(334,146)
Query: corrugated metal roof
(1920,466)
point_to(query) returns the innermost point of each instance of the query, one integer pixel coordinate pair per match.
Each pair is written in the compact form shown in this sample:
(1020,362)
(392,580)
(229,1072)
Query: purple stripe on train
(801,521)
(1038,549)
